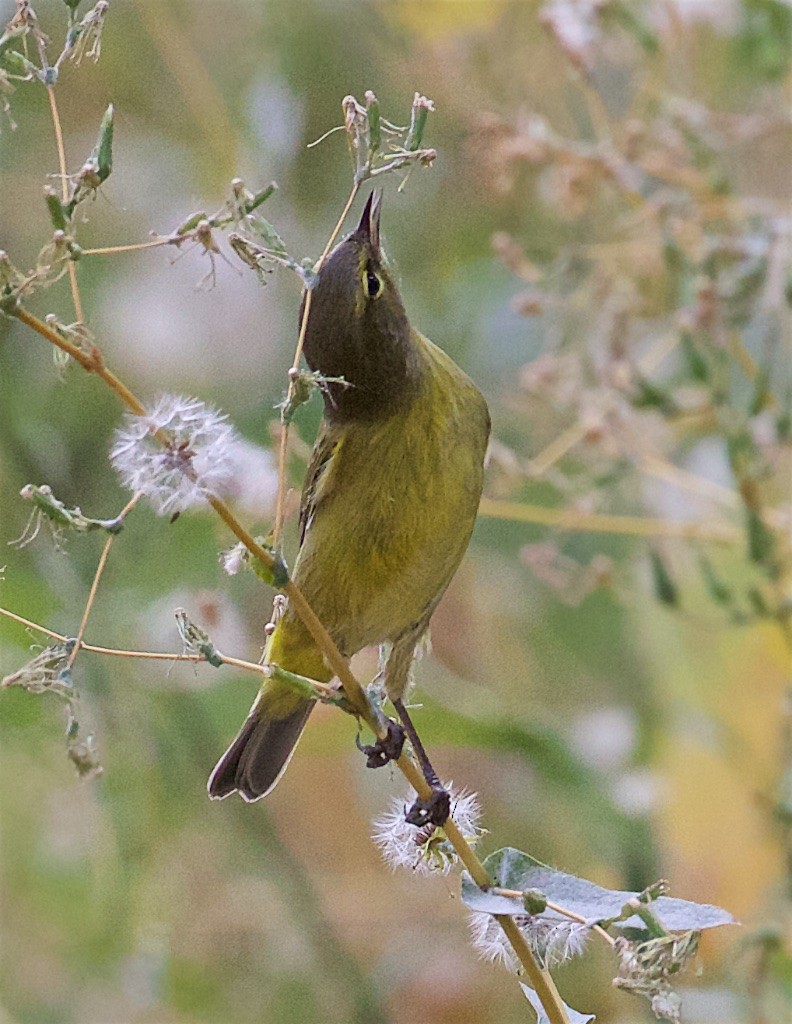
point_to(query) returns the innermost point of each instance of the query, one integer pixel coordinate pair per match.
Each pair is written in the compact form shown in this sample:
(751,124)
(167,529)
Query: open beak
(369,227)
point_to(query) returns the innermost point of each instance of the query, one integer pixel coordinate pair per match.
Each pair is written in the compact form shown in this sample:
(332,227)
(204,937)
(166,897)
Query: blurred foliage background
(603,243)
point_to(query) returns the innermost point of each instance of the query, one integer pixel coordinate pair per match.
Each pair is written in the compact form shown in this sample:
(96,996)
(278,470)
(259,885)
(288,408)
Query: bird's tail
(261,751)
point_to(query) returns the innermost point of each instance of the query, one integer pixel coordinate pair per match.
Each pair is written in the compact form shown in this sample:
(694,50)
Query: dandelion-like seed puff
(193,463)
(553,940)
(426,849)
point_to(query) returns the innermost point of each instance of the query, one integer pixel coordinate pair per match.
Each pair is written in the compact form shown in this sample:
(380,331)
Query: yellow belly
(393,518)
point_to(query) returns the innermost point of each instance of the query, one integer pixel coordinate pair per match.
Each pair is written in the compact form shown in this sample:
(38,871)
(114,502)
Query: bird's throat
(379,370)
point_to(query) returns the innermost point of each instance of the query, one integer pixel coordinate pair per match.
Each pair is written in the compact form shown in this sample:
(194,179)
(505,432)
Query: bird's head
(357,327)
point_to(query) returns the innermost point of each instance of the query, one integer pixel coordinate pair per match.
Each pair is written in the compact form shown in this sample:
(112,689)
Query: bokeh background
(617,718)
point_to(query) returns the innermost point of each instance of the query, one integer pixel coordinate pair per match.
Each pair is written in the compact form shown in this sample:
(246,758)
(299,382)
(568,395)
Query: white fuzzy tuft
(426,850)
(194,463)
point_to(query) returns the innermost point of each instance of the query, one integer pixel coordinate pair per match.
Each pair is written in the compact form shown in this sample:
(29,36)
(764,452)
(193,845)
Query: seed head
(426,849)
(553,939)
(193,463)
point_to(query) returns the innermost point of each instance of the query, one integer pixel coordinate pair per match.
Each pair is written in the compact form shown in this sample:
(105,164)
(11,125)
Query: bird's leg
(387,748)
(436,808)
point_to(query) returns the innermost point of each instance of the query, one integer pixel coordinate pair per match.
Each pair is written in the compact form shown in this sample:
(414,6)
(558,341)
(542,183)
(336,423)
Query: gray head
(358,329)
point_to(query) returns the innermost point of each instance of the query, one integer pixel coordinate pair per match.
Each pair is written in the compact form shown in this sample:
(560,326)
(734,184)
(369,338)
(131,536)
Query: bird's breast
(394,514)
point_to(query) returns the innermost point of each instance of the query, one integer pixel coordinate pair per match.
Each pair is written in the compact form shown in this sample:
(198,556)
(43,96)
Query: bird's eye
(373,284)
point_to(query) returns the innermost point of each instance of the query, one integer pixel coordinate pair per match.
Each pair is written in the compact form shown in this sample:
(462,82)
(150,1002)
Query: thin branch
(284,433)
(95,584)
(557,448)
(108,250)
(115,652)
(72,268)
(31,625)
(662,469)
(540,978)
(517,894)
(90,361)
(597,928)
(636,526)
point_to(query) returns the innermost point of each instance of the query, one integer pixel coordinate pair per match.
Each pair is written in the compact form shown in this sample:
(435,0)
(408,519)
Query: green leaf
(374,126)
(652,396)
(626,17)
(511,869)
(266,232)
(665,588)
(103,151)
(259,197)
(541,1016)
(57,211)
(716,588)
(762,395)
(761,542)
(697,364)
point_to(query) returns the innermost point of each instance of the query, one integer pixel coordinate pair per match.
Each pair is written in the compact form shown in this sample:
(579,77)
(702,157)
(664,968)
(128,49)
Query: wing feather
(327,443)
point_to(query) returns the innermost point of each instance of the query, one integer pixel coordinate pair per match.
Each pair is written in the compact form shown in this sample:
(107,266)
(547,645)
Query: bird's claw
(387,749)
(435,810)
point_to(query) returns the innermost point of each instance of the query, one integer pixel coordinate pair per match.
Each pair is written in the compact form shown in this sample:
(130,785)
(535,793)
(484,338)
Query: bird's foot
(435,810)
(386,749)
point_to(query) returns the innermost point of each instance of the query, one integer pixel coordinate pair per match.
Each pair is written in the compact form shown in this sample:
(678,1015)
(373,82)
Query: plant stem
(637,526)
(539,977)
(108,250)
(195,659)
(95,584)
(284,433)
(92,362)
(56,124)
(516,894)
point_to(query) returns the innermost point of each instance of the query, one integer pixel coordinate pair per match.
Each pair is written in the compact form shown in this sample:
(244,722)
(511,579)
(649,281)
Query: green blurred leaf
(665,588)
(763,46)
(624,13)
(761,542)
(716,588)
(697,365)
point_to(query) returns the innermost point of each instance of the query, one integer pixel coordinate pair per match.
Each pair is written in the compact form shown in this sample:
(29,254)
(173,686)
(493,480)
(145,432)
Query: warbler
(388,505)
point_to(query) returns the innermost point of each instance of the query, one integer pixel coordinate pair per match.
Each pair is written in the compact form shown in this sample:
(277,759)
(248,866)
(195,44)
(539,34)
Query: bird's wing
(327,442)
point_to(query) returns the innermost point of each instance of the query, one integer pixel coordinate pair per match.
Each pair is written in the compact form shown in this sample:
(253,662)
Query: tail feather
(260,753)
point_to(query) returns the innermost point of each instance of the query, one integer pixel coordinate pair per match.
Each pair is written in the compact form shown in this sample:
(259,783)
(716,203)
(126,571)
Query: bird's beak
(369,227)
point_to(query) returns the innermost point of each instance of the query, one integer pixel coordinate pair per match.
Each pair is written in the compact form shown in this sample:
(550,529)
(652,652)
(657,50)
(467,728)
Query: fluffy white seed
(426,849)
(196,460)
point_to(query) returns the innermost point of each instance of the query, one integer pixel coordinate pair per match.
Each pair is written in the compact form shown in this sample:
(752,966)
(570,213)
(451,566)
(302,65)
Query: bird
(388,504)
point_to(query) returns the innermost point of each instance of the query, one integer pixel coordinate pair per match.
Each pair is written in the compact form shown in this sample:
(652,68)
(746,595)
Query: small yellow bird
(388,504)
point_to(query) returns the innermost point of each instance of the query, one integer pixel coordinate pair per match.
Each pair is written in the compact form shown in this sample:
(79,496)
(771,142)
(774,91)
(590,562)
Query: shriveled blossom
(85,39)
(645,969)
(47,672)
(426,849)
(194,462)
(553,939)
